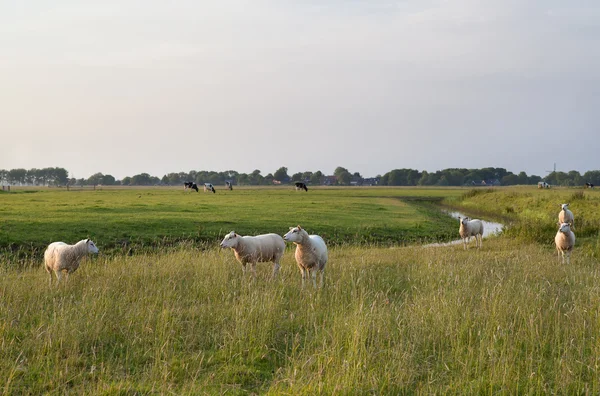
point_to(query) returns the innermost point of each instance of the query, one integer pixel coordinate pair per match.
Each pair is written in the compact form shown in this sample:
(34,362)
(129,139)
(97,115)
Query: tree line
(341,176)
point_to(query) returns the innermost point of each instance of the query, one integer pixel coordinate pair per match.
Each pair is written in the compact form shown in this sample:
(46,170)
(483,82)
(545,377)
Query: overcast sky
(123,87)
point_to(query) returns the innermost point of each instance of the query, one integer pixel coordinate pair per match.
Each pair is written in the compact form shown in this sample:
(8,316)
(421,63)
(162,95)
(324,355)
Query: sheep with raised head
(565,215)
(253,249)
(564,240)
(311,253)
(60,257)
(469,228)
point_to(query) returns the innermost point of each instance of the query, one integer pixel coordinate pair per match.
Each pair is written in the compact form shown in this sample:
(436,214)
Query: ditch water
(490,228)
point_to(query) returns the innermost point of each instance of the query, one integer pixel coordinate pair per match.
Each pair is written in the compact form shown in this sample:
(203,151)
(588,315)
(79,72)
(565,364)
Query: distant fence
(83,188)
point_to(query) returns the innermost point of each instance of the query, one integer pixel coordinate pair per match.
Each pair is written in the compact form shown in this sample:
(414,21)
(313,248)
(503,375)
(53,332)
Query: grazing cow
(543,184)
(301,186)
(229,185)
(209,187)
(190,185)
(589,185)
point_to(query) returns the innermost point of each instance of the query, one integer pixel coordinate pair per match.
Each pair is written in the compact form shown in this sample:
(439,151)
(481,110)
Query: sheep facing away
(564,240)
(253,249)
(60,257)
(311,253)
(469,228)
(565,215)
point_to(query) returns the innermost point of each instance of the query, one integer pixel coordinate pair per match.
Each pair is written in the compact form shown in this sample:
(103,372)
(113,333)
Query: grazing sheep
(253,249)
(60,257)
(565,215)
(311,253)
(469,228)
(565,240)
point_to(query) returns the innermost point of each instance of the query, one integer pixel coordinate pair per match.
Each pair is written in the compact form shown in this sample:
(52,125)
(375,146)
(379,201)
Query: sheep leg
(58,277)
(465,243)
(314,277)
(302,271)
(568,257)
(276,267)
(253,269)
(321,281)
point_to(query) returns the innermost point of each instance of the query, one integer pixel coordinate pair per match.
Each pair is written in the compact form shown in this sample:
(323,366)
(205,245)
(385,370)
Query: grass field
(139,219)
(508,319)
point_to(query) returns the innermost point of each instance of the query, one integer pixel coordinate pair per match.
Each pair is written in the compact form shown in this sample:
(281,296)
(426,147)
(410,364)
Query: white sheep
(564,240)
(469,228)
(253,249)
(565,215)
(60,257)
(311,253)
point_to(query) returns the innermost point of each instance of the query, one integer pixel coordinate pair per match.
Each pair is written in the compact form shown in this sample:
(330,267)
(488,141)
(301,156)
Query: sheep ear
(87,240)
(299,227)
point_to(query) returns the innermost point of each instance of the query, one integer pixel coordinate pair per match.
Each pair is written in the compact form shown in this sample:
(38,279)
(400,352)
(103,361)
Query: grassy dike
(532,214)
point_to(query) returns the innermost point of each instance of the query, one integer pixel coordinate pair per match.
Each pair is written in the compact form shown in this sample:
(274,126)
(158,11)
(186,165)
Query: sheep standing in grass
(564,240)
(311,253)
(469,228)
(253,249)
(60,257)
(565,215)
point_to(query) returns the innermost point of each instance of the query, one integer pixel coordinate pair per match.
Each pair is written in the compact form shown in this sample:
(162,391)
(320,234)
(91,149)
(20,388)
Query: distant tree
(17,176)
(522,178)
(281,174)
(316,178)
(269,179)
(297,177)
(423,179)
(243,179)
(306,175)
(339,170)
(510,180)
(575,178)
(109,180)
(95,179)
(533,179)
(344,178)
(592,177)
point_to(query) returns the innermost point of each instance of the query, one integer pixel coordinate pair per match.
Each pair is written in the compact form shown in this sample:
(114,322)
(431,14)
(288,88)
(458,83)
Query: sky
(123,87)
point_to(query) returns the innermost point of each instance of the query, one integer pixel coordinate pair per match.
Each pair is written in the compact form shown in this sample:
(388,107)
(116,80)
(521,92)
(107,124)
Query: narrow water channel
(490,228)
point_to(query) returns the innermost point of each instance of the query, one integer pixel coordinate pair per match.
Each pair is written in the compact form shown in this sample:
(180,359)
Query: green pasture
(133,219)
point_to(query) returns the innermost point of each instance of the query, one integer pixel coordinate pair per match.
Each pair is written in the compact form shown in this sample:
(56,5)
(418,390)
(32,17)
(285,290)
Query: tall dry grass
(506,319)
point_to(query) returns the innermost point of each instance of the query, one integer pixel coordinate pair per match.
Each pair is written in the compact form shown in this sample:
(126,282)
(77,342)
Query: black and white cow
(190,185)
(229,185)
(301,186)
(589,185)
(209,187)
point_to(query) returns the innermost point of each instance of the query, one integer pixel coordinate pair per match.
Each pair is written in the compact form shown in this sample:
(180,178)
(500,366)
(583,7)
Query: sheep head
(230,240)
